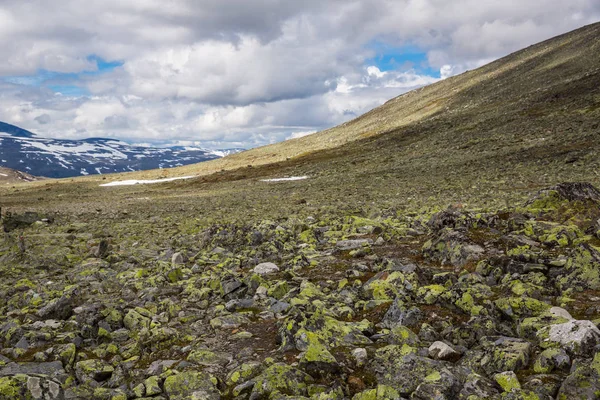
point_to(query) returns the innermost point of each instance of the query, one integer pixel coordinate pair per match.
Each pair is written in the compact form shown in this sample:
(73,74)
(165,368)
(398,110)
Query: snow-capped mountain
(60,158)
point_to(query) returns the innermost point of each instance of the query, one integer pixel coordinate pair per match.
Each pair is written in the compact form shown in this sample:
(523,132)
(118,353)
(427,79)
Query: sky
(244,73)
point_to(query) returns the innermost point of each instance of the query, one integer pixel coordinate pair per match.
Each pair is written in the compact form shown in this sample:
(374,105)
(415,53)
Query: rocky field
(445,304)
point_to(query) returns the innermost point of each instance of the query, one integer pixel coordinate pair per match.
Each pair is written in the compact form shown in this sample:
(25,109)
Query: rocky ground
(456,304)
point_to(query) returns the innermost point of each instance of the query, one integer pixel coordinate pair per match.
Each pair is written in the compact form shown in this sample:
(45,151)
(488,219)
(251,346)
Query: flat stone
(353,244)
(53,369)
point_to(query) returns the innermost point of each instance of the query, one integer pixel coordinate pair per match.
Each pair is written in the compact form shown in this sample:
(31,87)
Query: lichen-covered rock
(553,197)
(583,382)
(152,386)
(191,385)
(229,321)
(29,388)
(93,371)
(345,245)
(135,321)
(504,354)
(442,385)
(400,368)
(207,357)
(477,387)
(552,359)
(382,392)
(317,361)
(519,307)
(507,380)
(452,248)
(283,379)
(401,314)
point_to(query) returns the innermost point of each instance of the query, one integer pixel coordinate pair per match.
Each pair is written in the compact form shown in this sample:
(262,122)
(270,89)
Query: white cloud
(244,72)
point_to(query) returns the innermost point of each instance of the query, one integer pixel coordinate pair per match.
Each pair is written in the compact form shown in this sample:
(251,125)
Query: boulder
(93,371)
(583,382)
(504,354)
(442,351)
(578,337)
(266,268)
(281,378)
(345,245)
(191,385)
(400,314)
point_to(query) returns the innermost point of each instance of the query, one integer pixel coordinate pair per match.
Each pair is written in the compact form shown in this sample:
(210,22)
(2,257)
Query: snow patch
(144,182)
(291,178)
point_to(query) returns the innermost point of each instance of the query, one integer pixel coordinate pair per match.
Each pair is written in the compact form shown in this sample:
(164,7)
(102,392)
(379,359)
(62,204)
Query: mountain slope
(9,176)
(60,158)
(554,80)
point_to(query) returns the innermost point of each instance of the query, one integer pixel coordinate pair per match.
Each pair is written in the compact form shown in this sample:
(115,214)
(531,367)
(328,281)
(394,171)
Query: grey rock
(400,314)
(230,286)
(504,354)
(578,337)
(583,382)
(345,245)
(177,259)
(279,307)
(442,351)
(560,312)
(266,268)
(61,308)
(360,356)
(479,387)
(51,369)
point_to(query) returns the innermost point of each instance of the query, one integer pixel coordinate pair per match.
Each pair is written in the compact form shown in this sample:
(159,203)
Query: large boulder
(583,382)
(577,337)
(403,370)
(504,354)
(281,378)
(191,385)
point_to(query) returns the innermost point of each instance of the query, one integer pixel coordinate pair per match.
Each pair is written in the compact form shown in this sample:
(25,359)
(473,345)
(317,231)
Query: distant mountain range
(60,158)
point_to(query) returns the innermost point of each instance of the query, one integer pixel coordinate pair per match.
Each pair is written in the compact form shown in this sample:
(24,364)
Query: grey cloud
(43,119)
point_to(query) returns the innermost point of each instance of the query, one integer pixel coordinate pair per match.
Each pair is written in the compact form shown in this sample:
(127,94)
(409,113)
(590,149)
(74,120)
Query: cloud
(244,72)
(43,119)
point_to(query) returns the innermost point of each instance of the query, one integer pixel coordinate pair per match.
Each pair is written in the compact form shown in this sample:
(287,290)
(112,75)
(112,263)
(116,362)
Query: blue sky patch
(389,58)
(68,84)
